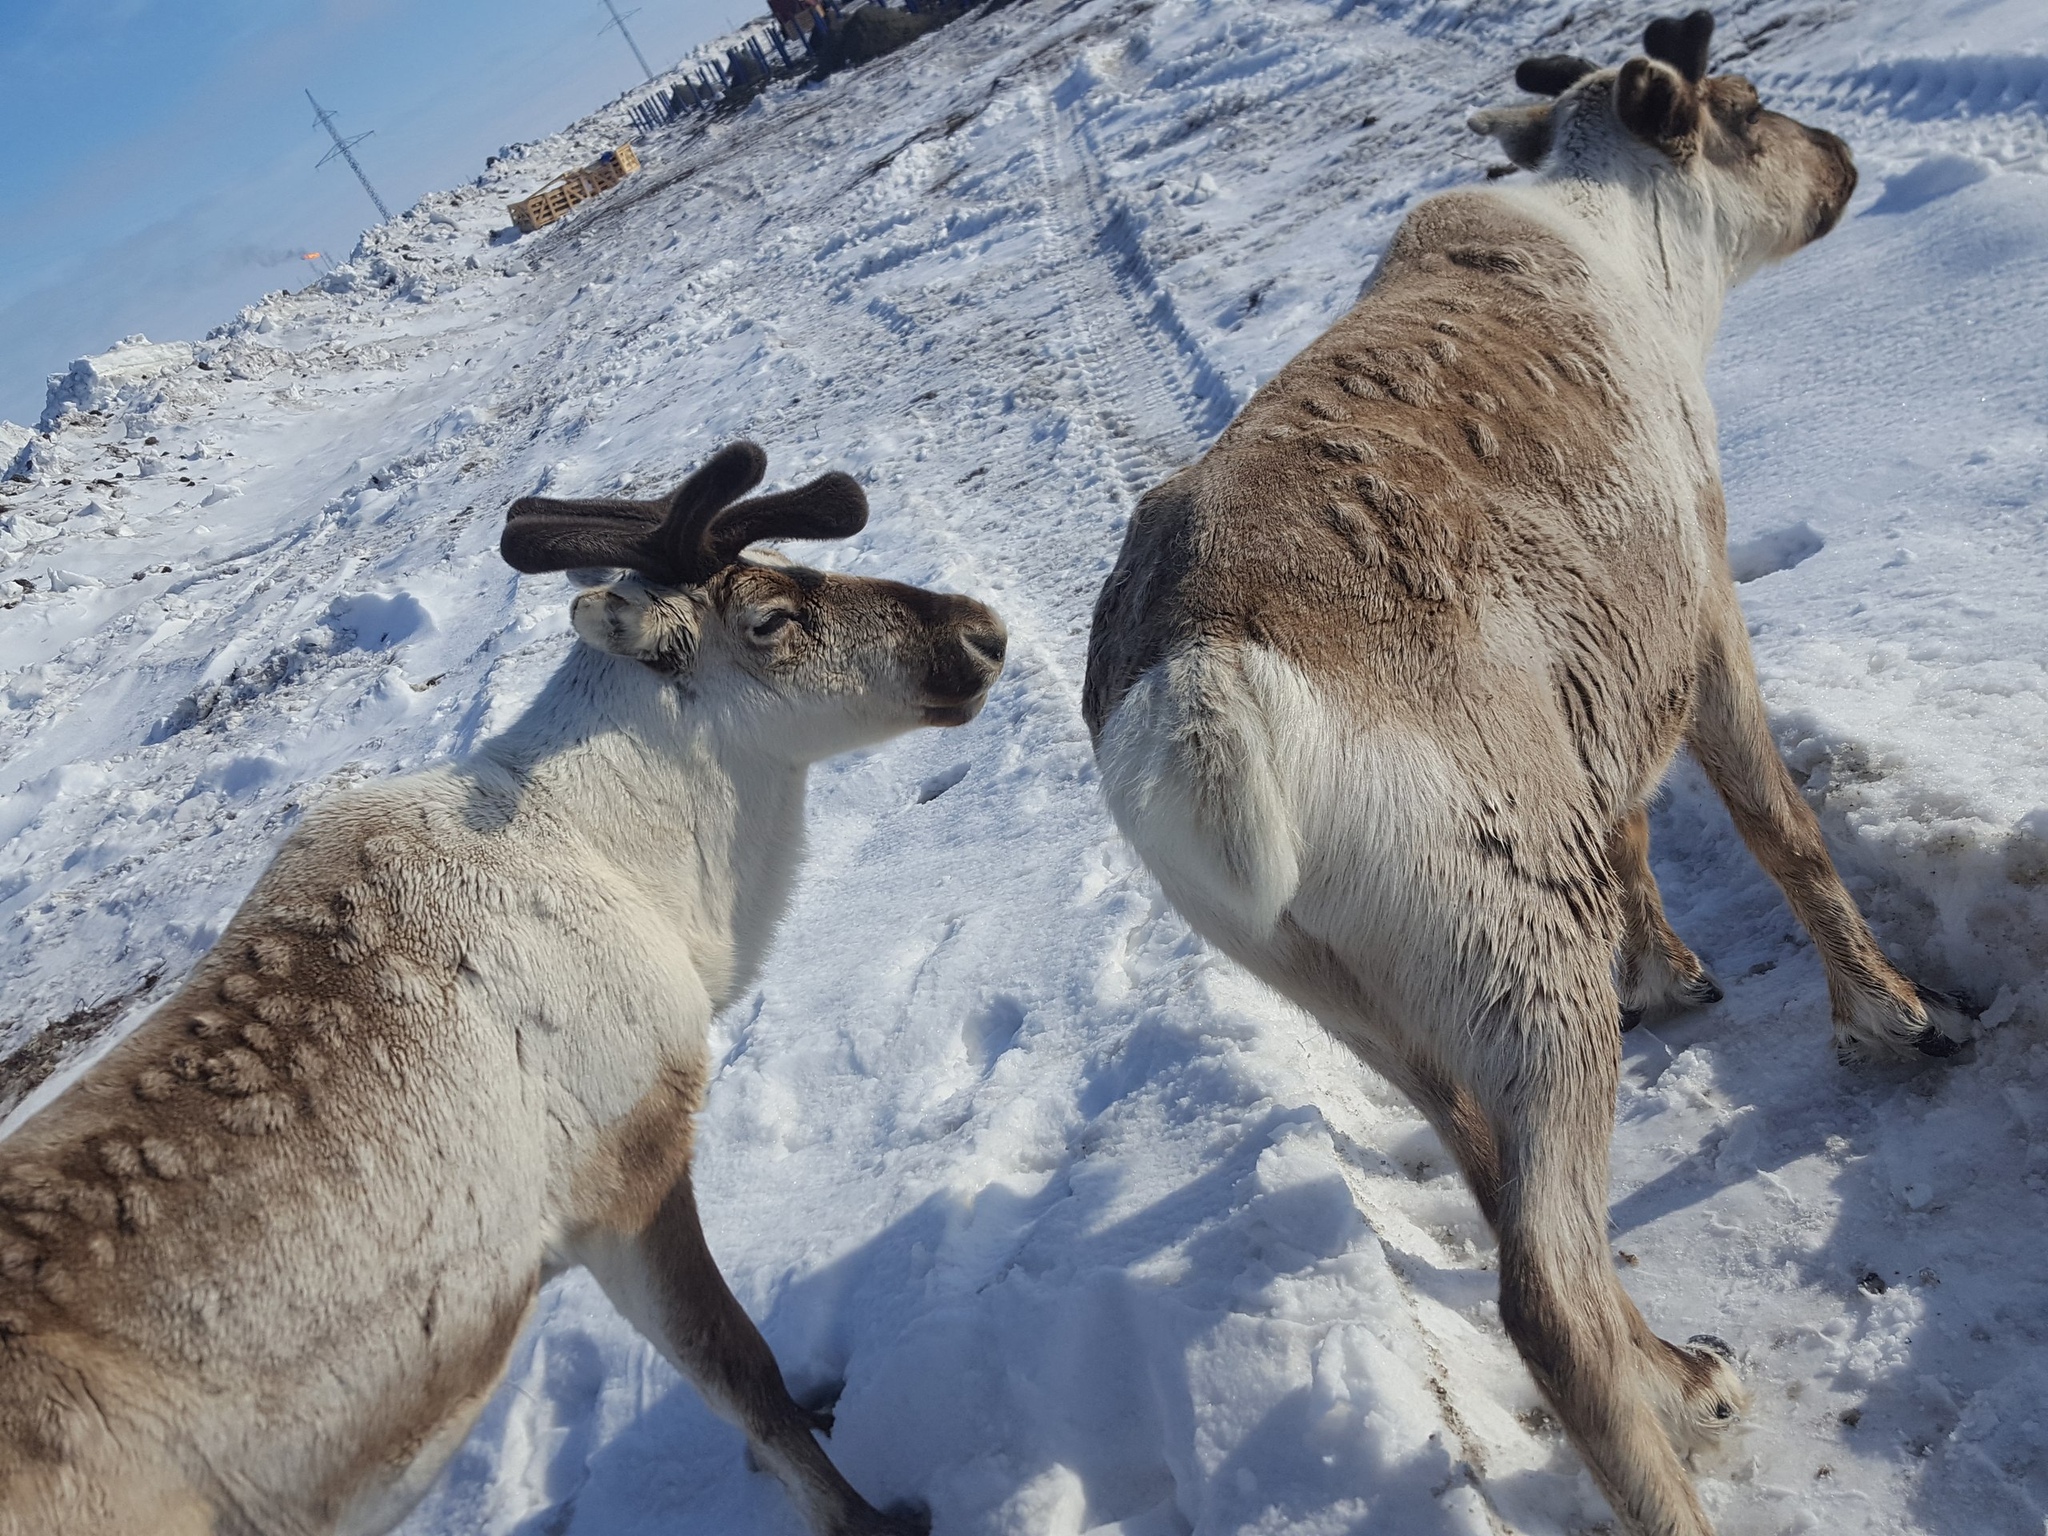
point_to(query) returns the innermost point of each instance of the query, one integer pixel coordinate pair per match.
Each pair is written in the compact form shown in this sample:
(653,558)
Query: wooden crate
(573,187)
(549,203)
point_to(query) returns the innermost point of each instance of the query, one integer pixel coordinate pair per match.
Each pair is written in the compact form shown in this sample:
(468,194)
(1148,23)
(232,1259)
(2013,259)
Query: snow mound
(1936,176)
(105,381)
(377,621)
(1768,553)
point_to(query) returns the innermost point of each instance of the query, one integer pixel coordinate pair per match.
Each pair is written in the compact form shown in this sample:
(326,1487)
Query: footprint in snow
(1780,550)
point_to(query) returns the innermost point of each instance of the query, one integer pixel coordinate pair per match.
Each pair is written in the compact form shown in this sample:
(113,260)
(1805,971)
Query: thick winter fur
(263,1265)
(1381,684)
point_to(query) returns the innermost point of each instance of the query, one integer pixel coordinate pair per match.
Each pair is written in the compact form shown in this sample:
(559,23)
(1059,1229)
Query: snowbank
(101,383)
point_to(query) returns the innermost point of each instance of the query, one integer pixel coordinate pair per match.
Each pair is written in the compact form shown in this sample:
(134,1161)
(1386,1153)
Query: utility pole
(620,22)
(345,148)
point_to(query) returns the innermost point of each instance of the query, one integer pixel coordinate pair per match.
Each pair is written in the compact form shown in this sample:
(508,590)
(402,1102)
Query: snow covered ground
(1098,1236)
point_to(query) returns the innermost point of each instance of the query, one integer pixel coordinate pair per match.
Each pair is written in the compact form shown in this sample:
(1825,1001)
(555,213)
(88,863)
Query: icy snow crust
(1099,1236)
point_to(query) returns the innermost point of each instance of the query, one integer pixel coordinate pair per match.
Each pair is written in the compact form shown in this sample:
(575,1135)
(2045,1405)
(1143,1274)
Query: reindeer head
(1771,184)
(809,662)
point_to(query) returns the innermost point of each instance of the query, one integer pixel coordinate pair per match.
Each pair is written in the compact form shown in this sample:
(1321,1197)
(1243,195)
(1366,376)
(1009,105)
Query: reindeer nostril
(988,644)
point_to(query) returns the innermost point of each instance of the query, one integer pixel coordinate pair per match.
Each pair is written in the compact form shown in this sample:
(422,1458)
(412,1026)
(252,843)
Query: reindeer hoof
(817,1405)
(1936,1041)
(1951,1002)
(1701,991)
(1888,1027)
(1677,993)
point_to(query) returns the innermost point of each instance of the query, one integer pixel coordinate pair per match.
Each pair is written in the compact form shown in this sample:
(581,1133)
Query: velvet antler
(1682,43)
(1552,74)
(688,536)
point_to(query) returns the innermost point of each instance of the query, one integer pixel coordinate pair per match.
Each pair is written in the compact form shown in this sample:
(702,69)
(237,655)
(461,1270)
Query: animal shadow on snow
(1029,1348)
(1057,1344)
(990,1342)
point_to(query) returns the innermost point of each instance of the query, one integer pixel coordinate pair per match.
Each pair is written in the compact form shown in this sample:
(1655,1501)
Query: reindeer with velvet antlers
(1381,685)
(263,1264)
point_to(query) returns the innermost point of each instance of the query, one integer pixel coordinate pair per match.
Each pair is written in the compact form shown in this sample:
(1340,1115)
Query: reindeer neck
(1647,233)
(622,761)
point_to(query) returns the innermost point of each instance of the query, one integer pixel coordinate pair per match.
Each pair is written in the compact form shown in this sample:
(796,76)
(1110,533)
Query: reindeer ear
(1682,43)
(1523,133)
(1552,74)
(658,630)
(1656,104)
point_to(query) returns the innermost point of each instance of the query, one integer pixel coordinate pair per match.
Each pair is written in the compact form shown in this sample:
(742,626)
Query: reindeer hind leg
(1634,1405)
(1655,973)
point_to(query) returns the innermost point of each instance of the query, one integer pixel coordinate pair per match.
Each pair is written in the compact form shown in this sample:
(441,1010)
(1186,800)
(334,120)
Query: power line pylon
(345,148)
(620,22)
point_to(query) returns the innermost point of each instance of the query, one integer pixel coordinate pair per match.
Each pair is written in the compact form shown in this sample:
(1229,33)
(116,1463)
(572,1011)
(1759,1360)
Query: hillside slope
(1098,1236)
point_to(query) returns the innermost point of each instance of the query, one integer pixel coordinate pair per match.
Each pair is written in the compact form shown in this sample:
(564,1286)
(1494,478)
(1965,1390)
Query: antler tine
(716,483)
(1552,74)
(545,534)
(833,506)
(688,536)
(1681,42)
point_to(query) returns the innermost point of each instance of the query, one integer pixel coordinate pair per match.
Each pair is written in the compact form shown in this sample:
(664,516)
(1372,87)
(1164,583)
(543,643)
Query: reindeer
(261,1266)
(1379,687)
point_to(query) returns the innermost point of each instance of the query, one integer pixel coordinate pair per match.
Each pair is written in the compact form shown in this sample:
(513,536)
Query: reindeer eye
(771,624)
(1754,114)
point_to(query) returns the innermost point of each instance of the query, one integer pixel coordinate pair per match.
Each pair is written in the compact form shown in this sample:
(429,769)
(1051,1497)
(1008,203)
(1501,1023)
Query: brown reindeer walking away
(1380,686)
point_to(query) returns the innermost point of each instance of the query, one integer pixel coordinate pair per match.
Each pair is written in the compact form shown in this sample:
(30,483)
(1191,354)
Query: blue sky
(160,155)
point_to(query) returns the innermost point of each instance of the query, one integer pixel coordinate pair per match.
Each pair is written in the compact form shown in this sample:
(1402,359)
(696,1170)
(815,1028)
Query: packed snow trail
(1096,1234)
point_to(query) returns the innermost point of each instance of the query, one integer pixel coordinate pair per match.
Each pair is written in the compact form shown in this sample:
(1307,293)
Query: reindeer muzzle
(967,643)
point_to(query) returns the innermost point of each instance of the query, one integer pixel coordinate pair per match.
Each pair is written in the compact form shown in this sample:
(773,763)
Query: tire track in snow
(1153,393)
(1925,90)
(1157,402)
(1149,401)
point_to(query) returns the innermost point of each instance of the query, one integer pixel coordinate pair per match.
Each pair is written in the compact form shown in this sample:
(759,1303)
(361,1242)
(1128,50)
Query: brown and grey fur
(263,1265)
(1381,685)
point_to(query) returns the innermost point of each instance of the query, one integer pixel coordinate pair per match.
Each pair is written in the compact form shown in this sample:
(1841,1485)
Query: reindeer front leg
(668,1287)
(1877,1009)
(665,1282)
